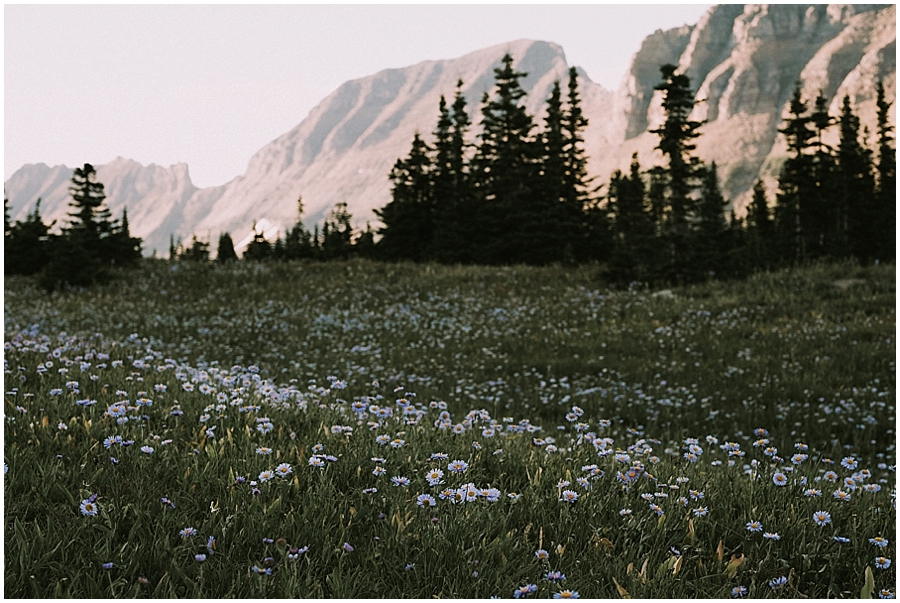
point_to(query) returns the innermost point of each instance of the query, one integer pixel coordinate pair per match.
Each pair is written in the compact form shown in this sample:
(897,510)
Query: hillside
(743,60)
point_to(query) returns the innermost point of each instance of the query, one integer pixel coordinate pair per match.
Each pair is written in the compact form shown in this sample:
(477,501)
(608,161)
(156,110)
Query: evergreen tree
(676,136)
(26,248)
(886,191)
(6,223)
(558,230)
(713,232)
(760,230)
(796,183)
(854,192)
(454,229)
(631,226)
(509,212)
(225,249)
(364,245)
(259,249)
(577,181)
(90,214)
(79,257)
(298,242)
(337,242)
(120,248)
(407,233)
(820,214)
(197,252)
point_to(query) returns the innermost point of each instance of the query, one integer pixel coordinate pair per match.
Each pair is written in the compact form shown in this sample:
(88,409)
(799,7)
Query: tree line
(335,241)
(519,194)
(88,247)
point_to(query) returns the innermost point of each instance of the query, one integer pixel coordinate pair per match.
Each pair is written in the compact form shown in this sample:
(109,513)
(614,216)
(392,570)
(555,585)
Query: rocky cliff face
(743,61)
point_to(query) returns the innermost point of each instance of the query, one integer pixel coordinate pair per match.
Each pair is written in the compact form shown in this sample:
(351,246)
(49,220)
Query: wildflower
(108,565)
(370,490)
(261,571)
(458,466)
(146,449)
(434,477)
(754,526)
(879,541)
(882,562)
(167,502)
(569,496)
(848,462)
(211,545)
(812,492)
(738,591)
(872,488)
(625,512)
(542,554)
(584,483)
(885,593)
(566,594)
(263,450)
(554,576)
(425,501)
(200,557)
(778,582)
(701,511)
(780,479)
(841,539)
(347,547)
(186,532)
(266,475)
(513,496)
(562,484)
(315,461)
(88,507)
(799,458)
(656,509)
(400,481)
(771,536)
(822,517)
(841,495)
(284,469)
(831,476)
(524,590)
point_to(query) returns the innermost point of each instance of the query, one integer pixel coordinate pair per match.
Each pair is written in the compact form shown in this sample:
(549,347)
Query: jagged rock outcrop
(743,61)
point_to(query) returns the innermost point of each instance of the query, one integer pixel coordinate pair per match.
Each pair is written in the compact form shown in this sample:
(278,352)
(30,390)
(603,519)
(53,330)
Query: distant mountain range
(743,61)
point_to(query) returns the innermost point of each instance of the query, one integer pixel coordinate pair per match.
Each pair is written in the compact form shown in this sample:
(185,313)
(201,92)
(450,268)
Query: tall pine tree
(509,212)
(796,182)
(408,233)
(886,191)
(854,192)
(676,142)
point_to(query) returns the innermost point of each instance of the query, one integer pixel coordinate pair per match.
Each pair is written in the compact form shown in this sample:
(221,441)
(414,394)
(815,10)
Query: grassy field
(362,429)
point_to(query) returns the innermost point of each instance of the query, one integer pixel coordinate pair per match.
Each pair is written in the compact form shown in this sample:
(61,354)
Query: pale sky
(209,85)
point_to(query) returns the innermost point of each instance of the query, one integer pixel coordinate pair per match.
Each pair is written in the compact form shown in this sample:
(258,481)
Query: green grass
(510,349)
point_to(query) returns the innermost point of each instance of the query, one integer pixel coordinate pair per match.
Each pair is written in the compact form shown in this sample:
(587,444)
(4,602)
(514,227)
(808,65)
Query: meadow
(361,429)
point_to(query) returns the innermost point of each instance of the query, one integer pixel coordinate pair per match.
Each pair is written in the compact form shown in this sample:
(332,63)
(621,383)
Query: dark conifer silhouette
(676,142)
(225,249)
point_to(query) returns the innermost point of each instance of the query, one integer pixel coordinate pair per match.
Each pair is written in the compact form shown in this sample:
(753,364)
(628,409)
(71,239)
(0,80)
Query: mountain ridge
(743,61)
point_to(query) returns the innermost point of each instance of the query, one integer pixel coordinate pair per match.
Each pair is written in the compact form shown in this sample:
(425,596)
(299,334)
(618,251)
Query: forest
(518,193)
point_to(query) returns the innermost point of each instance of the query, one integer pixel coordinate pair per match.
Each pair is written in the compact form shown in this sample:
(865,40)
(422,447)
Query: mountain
(743,61)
